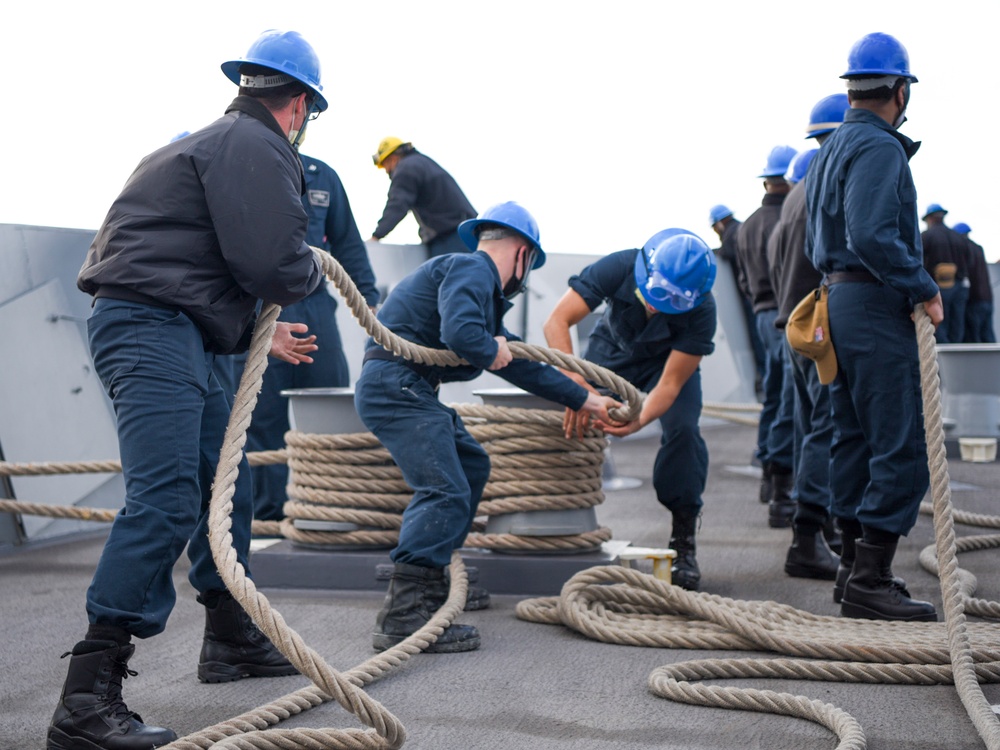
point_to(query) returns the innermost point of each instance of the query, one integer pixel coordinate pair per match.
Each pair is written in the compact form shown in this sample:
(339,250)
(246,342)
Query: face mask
(516,285)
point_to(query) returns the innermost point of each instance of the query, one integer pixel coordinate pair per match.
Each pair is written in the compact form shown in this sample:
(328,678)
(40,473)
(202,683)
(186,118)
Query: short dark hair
(881,94)
(276,97)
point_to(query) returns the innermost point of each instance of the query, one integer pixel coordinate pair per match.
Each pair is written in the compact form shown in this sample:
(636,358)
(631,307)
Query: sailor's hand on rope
(504,356)
(288,347)
(618,429)
(594,410)
(934,307)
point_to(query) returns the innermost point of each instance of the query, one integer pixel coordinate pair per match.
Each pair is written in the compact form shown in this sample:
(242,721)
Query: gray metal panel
(729,373)
(30,256)
(52,404)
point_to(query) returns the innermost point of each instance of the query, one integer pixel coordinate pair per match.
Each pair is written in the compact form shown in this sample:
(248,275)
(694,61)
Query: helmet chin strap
(296,137)
(516,285)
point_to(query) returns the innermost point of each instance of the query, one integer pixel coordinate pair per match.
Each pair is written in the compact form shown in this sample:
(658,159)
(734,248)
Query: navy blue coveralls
(862,214)
(451,302)
(332,228)
(635,346)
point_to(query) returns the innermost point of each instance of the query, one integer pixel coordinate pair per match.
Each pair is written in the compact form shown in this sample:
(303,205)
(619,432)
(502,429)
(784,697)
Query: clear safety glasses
(661,289)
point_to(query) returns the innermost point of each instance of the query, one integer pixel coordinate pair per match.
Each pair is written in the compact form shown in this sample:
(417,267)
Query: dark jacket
(456,302)
(944,245)
(980,287)
(420,185)
(209,224)
(752,247)
(332,226)
(862,206)
(792,273)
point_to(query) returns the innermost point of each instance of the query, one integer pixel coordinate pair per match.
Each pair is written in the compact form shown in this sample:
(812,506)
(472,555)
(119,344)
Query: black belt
(856,277)
(425,371)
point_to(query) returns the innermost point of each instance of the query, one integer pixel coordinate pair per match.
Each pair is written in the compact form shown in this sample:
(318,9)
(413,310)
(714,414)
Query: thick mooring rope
(619,605)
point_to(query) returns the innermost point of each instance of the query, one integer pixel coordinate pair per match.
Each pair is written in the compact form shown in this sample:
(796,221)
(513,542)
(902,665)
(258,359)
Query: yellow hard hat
(385,149)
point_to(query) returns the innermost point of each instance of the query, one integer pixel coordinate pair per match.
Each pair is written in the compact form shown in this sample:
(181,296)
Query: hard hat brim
(879,72)
(467,232)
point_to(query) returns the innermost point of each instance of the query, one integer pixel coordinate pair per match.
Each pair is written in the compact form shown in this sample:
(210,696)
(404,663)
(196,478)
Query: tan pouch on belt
(808,333)
(944,275)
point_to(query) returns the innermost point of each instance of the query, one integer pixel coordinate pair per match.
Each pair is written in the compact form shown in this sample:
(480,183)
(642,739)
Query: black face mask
(516,285)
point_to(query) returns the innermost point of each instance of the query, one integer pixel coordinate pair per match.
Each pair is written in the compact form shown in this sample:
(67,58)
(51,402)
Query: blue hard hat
(934,208)
(827,115)
(962,228)
(675,271)
(718,213)
(182,134)
(777,161)
(878,54)
(797,169)
(286,52)
(511,215)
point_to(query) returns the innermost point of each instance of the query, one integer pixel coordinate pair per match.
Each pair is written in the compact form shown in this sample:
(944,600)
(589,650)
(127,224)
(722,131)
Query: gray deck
(530,685)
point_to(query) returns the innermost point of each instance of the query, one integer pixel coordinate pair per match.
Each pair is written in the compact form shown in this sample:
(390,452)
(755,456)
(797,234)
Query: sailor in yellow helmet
(421,185)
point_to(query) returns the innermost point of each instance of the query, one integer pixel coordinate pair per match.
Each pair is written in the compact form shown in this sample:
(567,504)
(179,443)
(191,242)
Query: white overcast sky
(608,121)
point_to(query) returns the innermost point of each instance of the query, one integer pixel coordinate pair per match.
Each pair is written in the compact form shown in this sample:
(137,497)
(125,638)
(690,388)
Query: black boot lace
(116,704)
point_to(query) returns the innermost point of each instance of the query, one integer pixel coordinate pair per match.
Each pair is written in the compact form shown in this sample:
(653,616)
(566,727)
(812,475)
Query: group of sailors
(215,222)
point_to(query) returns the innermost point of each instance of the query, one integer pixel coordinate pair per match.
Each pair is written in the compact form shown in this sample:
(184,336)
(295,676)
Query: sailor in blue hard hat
(454,301)
(206,228)
(660,322)
(863,235)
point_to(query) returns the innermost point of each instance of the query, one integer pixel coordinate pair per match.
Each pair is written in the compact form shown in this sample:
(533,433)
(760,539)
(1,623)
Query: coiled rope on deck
(619,605)
(351,479)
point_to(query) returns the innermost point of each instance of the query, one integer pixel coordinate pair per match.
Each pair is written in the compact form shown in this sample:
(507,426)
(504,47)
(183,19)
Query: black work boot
(873,593)
(234,647)
(412,599)
(810,556)
(476,597)
(685,572)
(91,714)
(850,532)
(781,509)
(766,488)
